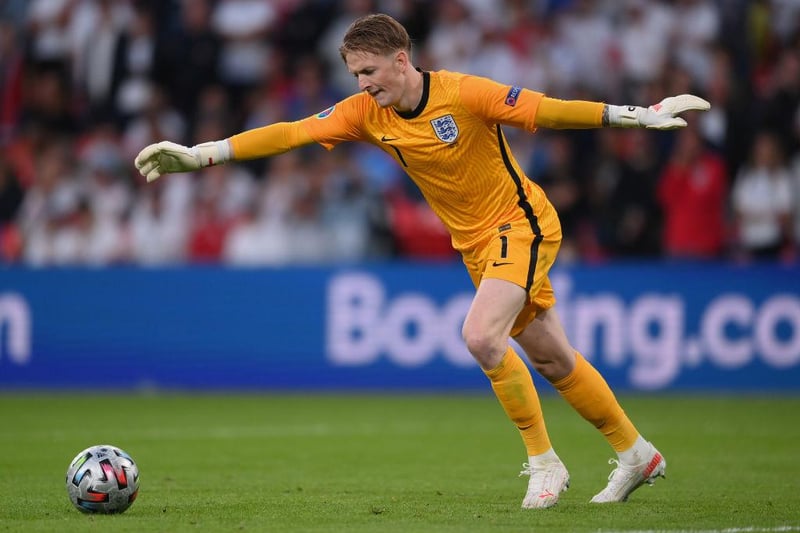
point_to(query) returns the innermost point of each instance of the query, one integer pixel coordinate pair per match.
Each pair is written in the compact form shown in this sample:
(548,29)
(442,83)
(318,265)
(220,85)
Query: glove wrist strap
(212,153)
(625,116)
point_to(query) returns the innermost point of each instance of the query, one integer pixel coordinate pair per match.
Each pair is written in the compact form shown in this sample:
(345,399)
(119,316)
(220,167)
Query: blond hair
(375,34)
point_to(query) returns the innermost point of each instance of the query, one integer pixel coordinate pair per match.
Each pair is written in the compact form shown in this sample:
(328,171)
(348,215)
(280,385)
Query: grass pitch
(411,463)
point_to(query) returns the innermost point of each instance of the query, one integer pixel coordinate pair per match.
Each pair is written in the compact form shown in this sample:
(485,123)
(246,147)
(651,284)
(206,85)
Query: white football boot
(625,479)
(548,480)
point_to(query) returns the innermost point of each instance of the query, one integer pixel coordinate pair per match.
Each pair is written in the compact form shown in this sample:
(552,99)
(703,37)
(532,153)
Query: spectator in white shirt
(762,201)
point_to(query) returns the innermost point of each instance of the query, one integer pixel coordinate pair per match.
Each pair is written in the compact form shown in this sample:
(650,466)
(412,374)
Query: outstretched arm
(167,157)
(574,114)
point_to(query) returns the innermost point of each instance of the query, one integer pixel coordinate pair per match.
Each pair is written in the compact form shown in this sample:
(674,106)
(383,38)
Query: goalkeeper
(446,131)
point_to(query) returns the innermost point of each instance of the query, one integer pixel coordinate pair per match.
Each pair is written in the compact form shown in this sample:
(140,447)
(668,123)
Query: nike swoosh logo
(496,264)
(386,139)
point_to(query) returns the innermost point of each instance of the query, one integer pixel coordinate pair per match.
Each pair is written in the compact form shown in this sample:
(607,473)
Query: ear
(402,60)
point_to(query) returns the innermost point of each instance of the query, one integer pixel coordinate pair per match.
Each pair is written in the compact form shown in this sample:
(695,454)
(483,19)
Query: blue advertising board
(645,326)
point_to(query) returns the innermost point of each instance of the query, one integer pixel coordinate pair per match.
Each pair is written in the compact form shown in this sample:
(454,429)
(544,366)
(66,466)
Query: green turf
(411,463)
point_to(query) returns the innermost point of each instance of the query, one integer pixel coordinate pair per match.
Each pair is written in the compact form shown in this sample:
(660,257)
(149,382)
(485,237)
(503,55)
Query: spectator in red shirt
(692,192)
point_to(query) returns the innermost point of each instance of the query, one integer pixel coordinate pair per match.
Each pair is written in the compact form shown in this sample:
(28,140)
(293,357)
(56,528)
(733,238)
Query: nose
(363,83)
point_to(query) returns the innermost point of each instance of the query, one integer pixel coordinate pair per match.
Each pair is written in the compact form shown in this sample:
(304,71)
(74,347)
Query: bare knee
(547,347)
(488,350)
(553,367)
(553,359)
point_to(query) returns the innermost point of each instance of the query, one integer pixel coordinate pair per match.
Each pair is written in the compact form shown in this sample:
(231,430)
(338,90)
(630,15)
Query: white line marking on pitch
(749,529)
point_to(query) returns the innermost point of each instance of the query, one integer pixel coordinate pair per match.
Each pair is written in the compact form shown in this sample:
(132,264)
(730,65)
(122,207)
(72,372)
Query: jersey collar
(426,87)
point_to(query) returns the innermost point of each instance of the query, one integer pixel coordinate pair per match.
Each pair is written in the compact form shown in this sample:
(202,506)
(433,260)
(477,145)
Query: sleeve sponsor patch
(513,94)
(326,113)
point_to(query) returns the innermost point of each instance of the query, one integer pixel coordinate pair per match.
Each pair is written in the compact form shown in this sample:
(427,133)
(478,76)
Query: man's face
(380,76)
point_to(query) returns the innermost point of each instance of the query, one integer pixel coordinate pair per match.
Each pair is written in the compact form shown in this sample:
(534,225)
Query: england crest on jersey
(445,128)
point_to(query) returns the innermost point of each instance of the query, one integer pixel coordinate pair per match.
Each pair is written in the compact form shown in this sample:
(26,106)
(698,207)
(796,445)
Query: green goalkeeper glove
(661,116)
(165,157)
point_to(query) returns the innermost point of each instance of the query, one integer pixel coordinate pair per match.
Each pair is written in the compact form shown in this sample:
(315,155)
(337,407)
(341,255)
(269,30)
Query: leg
(546,345)
(486,330)
(489,320)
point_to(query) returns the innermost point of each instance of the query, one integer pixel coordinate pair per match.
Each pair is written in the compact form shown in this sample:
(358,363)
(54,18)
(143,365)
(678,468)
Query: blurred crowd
(85,84)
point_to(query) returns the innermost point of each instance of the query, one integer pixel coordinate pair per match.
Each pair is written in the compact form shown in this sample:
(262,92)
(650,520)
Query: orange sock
(589,394)
(513,386)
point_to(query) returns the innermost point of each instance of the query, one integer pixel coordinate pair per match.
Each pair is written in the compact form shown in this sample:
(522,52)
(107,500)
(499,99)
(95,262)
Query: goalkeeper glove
(660,116)
(166,157)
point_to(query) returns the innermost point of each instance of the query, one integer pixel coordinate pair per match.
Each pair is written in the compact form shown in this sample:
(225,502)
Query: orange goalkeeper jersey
(453,148)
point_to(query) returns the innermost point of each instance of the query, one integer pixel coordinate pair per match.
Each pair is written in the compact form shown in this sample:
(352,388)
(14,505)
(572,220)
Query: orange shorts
(520,253)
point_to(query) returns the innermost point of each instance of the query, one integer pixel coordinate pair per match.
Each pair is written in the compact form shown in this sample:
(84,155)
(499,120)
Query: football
(102,479)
